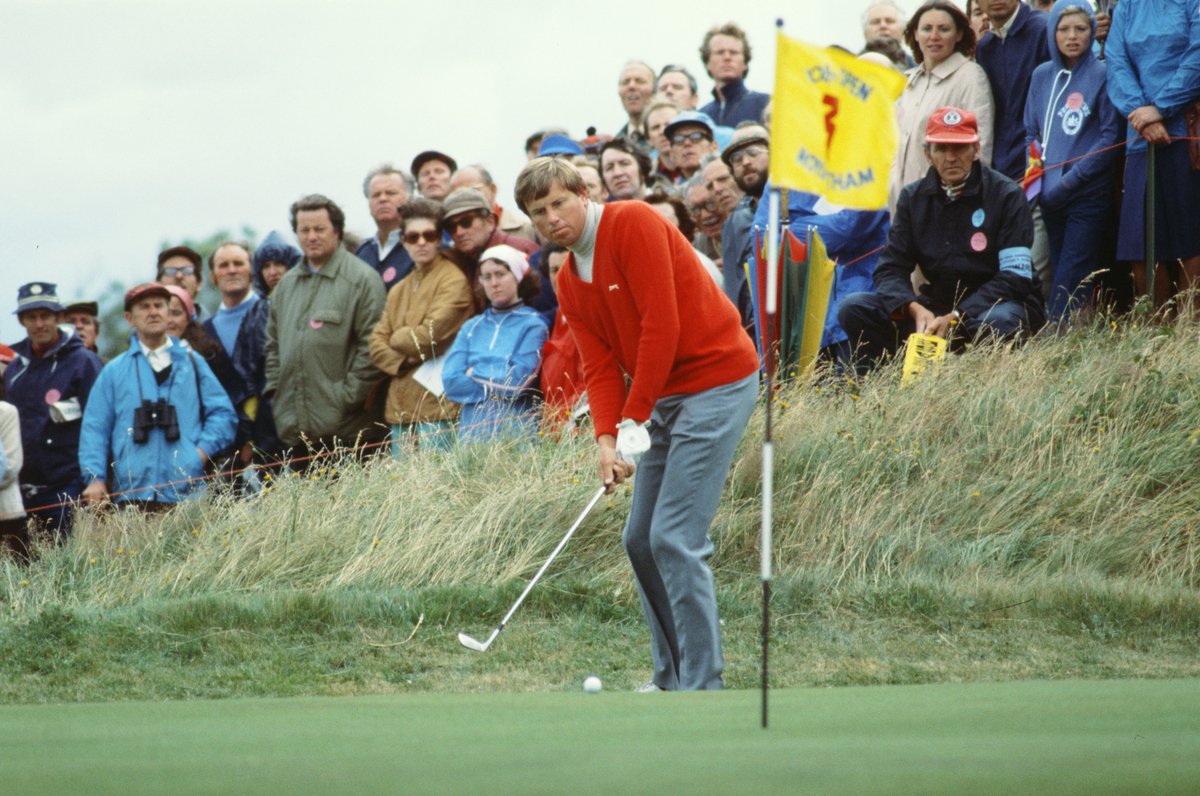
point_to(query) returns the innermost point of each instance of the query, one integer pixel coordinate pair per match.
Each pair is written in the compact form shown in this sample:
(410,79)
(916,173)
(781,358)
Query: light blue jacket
(503,350)
(155,469)
(1153,56)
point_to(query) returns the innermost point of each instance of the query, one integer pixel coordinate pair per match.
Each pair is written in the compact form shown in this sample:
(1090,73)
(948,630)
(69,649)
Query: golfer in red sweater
(672,380)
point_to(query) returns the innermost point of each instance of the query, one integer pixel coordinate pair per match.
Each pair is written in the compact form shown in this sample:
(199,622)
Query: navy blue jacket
(739,105)
(975,249)
(392,268)
(1009,64)
(1069,114)
(246,377)
(66,371)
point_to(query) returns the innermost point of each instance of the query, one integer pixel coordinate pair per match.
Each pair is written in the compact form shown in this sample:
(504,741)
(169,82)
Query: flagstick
(768,460)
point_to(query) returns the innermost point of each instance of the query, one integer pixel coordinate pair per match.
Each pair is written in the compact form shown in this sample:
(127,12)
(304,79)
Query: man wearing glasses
(692,135)
(748,156)
(706,213)
(183,266)
(471,223)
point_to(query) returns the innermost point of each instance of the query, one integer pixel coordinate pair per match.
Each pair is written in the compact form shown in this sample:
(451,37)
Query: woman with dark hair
(493,365)
(424,312)
(273,258)
(624,169)
(942,43)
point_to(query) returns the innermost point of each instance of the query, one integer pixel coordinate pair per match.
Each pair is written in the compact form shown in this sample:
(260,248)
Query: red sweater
(646,279)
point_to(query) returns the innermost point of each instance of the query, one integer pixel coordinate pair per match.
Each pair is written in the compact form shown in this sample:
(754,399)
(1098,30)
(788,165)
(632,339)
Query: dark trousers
(14,537)
(1076,236)
(52,507)
(875,334)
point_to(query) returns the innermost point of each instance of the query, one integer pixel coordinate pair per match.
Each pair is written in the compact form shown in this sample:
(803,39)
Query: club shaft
(578,521)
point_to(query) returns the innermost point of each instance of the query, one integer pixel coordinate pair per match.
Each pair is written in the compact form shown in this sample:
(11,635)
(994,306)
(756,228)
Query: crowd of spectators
(442,327)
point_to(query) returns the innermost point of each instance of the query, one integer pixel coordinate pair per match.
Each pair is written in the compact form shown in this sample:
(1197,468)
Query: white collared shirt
(159,358)
(386,247)
(1002,31)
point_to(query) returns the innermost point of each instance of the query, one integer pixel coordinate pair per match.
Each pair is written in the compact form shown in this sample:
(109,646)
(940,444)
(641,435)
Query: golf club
(481,646)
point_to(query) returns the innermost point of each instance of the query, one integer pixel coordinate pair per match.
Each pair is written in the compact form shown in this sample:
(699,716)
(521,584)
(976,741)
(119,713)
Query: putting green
(1020,737)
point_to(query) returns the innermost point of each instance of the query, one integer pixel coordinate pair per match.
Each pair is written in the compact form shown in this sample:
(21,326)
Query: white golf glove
(633,440)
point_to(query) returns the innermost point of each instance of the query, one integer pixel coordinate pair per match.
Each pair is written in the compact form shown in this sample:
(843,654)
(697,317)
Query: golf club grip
(578,521)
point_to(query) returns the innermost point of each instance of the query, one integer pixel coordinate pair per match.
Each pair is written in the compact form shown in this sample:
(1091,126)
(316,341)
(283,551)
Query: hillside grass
(1019,513)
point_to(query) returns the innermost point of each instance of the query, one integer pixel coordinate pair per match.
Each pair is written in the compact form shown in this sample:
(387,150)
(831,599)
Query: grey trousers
(677,487)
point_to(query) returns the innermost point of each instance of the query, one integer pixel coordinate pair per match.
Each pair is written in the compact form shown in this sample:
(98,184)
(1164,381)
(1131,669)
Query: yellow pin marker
(924,351)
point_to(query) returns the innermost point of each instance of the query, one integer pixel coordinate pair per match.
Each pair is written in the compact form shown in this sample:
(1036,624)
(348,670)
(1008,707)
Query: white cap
(515,259)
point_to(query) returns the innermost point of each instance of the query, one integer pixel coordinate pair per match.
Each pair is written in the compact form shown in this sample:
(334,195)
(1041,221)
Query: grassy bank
(1027,513)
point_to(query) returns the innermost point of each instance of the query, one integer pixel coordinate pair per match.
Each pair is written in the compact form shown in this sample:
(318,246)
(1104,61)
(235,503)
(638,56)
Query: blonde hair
(541,174)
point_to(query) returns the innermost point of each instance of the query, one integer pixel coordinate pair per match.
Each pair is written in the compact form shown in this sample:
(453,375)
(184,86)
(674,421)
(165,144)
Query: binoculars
(158,414)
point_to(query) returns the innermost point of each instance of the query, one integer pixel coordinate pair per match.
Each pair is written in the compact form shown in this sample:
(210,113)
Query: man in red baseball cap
(970,230)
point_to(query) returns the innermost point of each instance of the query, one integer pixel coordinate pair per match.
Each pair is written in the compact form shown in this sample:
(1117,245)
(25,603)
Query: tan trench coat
(424,312)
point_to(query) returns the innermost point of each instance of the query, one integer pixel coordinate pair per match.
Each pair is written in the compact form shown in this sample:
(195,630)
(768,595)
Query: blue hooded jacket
(67,371)
(1153,53)
(274,247)
(1069,114)
(157,469)
(854,237)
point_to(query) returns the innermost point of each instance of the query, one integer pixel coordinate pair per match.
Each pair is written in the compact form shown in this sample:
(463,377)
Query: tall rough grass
(1074,457)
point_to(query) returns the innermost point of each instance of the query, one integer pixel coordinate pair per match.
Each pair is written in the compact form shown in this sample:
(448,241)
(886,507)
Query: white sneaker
(648,688)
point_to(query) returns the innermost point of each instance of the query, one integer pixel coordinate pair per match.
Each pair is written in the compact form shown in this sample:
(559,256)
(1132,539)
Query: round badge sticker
(53,396)
(951,118)
(316,324)
(979,241)
(978,217)
(389,274)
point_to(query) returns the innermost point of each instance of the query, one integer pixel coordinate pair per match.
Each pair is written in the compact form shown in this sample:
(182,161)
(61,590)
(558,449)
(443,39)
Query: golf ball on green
(592,685)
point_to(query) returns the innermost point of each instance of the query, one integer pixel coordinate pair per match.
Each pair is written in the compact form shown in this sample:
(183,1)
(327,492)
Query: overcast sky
(125,124)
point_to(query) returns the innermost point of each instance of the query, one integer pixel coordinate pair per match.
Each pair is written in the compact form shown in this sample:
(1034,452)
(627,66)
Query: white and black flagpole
(768,462)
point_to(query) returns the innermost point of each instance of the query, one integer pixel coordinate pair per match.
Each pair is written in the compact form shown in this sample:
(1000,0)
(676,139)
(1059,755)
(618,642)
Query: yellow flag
(833,124)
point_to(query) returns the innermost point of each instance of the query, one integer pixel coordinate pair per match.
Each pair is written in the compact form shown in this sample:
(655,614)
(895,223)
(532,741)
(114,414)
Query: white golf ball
(592,685)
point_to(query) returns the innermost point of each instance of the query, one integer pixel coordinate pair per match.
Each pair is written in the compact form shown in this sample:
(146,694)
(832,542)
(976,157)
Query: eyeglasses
(749,152)
(494,276)
(429,236)
(710,205)
(464,221)
(179,270)
(694,137)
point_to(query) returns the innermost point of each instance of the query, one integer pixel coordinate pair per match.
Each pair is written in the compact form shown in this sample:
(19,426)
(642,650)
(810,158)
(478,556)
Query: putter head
(474,644)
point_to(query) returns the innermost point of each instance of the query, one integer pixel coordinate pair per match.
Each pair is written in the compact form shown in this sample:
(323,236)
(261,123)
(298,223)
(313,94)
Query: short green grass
(1064,737)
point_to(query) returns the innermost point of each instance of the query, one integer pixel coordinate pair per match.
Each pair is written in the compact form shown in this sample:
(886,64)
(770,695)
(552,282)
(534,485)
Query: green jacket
(318,362)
